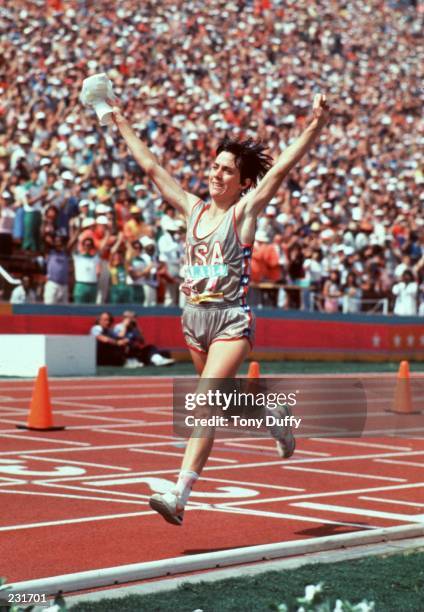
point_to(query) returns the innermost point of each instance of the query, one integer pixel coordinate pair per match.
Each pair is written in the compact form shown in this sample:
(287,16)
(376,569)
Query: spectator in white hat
(85,208)
(7,216)
(150,281)
(22,152)
(171,251)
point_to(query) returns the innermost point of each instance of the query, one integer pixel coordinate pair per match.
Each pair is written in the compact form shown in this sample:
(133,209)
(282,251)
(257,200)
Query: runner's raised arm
(257,199)
(170,189)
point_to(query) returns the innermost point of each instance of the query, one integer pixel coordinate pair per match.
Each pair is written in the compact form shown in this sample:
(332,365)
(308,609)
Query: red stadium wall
(279,334)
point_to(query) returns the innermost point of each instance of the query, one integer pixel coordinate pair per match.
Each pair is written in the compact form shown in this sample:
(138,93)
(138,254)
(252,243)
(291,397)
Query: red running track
(77,499)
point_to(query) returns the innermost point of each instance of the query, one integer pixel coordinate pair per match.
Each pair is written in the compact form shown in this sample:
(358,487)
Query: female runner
(217,323)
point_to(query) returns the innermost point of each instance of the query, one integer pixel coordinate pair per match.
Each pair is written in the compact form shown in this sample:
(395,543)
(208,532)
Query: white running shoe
(159,360)
(131,364)
(167,506)
(283,435)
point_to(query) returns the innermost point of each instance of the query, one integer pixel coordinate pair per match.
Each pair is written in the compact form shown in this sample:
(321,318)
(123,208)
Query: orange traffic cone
(254,370)
(40,412)
(403,396)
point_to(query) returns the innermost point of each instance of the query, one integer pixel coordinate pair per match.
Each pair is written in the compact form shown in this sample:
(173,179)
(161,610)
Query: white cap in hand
(96,92)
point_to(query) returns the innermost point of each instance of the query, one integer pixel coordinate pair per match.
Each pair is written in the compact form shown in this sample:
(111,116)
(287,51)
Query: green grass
(395,583)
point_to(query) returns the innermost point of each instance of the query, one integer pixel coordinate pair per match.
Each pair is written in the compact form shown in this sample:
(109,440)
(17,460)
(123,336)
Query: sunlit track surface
(77,499)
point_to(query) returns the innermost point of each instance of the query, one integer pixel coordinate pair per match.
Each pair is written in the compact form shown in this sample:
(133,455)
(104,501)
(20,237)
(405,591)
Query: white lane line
(208,468)
(86,519)
(56,386)
(153,410)
(398,431)
(337,473)
(106,428)
(90,406)
(326,459)
(88,427)
(164,437)
(114,419)
(394,516)
(83,479)
(330,494)
(395,462)
(121,396)
(392,502)
(71,496)
(71,450)
(137,434)
(253,484)
(180,455)
(358,443)
(313,453)
(159,452)
(284,515)
(7,482)
(24,436)
(12,411)
(108,389)
(271,448)
(85,463)
(97,490)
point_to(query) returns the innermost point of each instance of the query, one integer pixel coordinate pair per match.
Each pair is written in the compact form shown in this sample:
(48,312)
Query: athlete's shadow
(327,530)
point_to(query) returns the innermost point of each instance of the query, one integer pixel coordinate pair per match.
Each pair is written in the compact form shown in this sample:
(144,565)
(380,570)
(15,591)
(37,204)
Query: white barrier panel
(24,354)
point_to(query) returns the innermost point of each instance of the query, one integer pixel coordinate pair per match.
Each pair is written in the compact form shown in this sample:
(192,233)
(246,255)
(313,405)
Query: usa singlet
(217,273)
(217,266)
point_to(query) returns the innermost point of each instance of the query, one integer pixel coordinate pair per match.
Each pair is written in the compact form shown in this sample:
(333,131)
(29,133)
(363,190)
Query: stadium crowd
(345,232)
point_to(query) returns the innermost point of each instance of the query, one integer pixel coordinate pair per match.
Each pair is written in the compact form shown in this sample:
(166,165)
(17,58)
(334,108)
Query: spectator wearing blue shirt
(56,287)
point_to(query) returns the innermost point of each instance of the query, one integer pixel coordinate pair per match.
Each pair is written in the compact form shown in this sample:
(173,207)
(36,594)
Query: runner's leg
(222,361)
(199,360)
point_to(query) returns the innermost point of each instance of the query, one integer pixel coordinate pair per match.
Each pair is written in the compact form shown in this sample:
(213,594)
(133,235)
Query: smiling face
(224,179)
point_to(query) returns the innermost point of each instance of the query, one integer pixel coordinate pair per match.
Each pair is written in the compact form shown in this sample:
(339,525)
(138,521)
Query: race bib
(197,272)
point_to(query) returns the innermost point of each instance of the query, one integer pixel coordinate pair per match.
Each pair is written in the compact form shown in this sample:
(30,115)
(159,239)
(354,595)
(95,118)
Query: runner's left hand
(320,110)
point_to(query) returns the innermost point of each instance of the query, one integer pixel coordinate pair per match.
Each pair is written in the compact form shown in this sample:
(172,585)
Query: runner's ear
(246,184)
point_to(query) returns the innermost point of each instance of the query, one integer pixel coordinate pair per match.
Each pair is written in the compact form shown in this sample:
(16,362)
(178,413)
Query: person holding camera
(139,353)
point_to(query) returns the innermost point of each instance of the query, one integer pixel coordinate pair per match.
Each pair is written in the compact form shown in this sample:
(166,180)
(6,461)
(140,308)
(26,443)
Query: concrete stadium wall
(279,334)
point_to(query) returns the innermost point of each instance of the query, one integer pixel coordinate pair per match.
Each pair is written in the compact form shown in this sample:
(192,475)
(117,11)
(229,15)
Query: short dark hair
(408,273)
(102,314)
(250,157)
